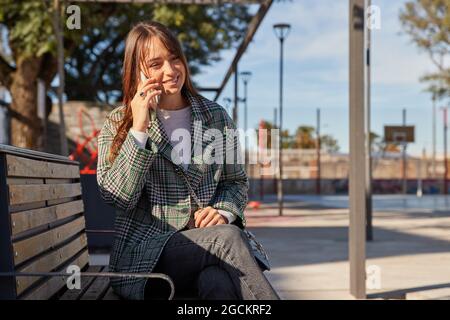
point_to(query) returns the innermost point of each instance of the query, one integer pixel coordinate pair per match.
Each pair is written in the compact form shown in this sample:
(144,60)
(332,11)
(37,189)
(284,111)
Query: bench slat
(19,194)
(57,181)
(59,201)
(27,206)
(49,288)
(32,246)
(97,289)
(50,262)
(23,167)
(75,294)
(11,181)
(25,220)
(47,231)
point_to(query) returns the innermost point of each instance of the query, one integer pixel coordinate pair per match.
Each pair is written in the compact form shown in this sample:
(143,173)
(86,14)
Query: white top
(180,139)
(179,120)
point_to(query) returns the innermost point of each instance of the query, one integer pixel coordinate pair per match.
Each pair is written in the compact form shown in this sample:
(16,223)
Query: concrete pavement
(309,251)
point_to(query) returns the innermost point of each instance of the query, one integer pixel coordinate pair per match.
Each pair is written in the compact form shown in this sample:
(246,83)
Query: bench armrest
(96,274)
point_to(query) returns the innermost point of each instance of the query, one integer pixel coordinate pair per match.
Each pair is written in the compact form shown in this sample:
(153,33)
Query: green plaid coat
(151,193)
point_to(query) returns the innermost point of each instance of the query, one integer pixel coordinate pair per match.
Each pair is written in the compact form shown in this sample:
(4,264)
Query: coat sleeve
(121,182)
(232,189)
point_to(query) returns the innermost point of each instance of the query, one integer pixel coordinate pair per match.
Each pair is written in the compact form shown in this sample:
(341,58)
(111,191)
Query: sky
(316,72)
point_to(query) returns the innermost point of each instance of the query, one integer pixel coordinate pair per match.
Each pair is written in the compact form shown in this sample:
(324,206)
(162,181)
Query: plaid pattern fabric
(151,193)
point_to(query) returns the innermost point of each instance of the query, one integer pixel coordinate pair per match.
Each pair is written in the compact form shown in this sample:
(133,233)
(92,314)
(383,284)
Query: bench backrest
(42,225)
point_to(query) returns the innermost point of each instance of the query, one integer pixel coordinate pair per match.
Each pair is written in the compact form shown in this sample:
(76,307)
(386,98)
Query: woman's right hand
(140,105)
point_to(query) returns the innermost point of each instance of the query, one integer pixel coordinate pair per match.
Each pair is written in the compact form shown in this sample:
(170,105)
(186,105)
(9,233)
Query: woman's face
(166,67)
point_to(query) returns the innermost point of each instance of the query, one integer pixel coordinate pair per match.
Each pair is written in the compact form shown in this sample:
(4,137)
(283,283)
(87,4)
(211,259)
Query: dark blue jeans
(213,263)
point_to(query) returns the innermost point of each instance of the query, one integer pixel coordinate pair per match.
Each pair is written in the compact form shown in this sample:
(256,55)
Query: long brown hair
(140,35)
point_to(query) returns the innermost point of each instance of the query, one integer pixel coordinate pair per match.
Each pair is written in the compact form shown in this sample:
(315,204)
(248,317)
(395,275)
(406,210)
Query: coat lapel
(199,139)
(200,116)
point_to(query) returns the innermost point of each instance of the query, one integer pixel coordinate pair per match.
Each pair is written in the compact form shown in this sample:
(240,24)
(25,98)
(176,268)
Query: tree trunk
(25,125)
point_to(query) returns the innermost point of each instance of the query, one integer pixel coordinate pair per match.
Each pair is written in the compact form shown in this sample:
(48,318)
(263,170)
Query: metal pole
(275,126)
(419,192)
(357,177)
(245,128)
(260,149)
(245,106)
(318,153)
(280,157)
(404,187)
(60,50)
(369,233)
(235,109)
(434,137)
(275,118)
(445,151)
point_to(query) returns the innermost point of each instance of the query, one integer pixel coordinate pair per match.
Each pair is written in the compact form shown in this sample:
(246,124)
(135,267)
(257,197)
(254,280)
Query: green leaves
(30,27)
(427,22)
(304,138)
(94,54)
(204,31)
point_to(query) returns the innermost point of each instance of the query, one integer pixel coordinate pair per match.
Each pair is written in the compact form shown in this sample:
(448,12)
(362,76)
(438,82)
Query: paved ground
(309,250)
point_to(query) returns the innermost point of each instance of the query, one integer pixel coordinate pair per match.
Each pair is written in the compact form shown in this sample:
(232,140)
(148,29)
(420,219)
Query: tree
(437,92)
(428,24)
(379,145)
(304,137)
(93,73)
(288,140)
(31,42)
(266,125)
(329,144)
(94,67)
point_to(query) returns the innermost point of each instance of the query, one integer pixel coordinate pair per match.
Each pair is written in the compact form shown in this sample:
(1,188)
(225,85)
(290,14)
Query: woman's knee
(230,234)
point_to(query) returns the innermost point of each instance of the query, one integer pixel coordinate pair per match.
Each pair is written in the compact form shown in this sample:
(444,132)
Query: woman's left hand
(208,217)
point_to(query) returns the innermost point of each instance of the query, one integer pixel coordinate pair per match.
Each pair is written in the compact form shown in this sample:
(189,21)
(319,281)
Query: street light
(281,31)
(245,76)
(444,109)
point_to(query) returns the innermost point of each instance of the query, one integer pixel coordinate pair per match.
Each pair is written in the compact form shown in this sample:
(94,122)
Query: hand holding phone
(146,97)
(157,98)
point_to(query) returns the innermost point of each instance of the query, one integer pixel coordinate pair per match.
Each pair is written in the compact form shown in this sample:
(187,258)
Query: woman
(176,214)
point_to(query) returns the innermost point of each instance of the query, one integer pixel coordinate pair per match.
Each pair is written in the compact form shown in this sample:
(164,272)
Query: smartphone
(156,98)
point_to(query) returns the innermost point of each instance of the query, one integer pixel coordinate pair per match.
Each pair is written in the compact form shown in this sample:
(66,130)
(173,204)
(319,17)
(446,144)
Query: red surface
(89,143)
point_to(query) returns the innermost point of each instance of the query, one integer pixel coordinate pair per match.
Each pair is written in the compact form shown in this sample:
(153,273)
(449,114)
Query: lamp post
(281,31)
(444,109)
(318,146)
(245,75)
(404,164)
(434,137)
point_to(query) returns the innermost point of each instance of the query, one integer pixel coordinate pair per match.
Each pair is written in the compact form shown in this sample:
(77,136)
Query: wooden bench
(43,230)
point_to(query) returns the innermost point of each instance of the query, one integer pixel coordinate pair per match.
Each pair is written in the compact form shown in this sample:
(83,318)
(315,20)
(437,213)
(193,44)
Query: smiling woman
(184,219)
(168,68)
